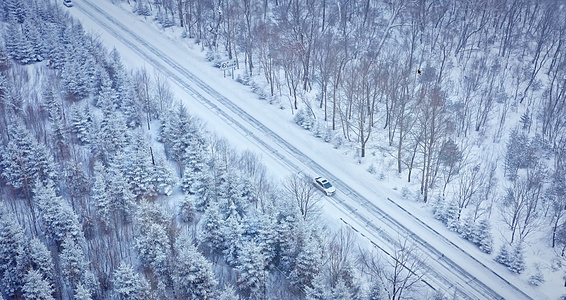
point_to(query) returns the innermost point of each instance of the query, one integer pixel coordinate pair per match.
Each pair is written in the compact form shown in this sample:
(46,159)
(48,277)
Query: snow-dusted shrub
(142,9)
(439,295)
(337,141)
(214,57)
(556,264)
(536,279)
(304,119)
(321,130)
(163,19)
(371,169)
(243,79)
(318,130)
(258,89)
(405,192)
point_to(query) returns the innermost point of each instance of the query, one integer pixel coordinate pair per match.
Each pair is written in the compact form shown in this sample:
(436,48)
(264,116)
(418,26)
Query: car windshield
(327,185)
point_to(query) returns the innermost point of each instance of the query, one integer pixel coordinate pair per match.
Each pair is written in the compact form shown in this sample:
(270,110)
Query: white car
(324,185)
(67,3)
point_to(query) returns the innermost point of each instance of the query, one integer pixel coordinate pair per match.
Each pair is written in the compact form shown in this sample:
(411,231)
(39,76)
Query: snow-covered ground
(325,159)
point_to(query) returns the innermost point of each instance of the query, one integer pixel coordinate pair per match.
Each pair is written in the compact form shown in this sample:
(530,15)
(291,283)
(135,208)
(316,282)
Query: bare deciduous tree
(305,194)
(521,204)
(400,273)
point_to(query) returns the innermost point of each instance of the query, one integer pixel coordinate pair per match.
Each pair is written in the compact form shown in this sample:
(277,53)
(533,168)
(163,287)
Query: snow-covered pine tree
(164,176)
(31,33)
(77,72)
(187,210)
(203,187)
(503,257)
(82,293)
(99,194)
(13,39)
(120,79)
(18,46)
(234,192)
(526,120)
(518,155)
(36,287)
(268,236)
(54,44)
(56,119)
(185,134)
(289,239)
(228,293)
(129,285)
(210,235)
(40,259)
(320,289)
(140,171)
(304,119)
(152,243)
(341,291)
(81,123)
(132,108)
(517,257)
(440,209)
(121,197)
(252,273)
(193,277)
(467,228)
(232,235)
(483,236)
(72,262)
(194,164)
(45,168)
(76,181)
(307,265)
(90,283)
(15,10)
(59,219)
(113,134)
(249,191)
(377,292)
(106,97)
(537,278)
(24,162)
(153,249)
(12,254)
(452,215)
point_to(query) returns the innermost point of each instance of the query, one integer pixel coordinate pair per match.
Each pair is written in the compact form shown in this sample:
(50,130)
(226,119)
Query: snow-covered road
(451,265)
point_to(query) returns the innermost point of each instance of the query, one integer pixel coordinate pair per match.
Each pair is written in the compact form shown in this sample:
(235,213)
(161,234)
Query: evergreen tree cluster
(92,190)
(521,153)
(477,232)
(513,258)
(95,197)
(26,266)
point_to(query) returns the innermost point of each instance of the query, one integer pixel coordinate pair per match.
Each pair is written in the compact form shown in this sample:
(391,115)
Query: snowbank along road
(444,269)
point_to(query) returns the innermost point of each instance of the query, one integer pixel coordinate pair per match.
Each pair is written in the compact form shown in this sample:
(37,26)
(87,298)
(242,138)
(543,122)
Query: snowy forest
(111,189)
